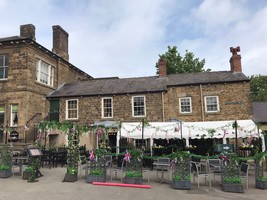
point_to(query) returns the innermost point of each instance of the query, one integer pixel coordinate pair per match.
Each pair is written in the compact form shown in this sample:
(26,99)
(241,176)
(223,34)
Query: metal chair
(118,169)
(162,165)
(214,166)
(198,174)
(243,172)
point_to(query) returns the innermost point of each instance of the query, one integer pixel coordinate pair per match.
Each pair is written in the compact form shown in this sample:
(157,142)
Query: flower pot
(133,180)
(232,187)
(95,178)
(182,185)
(261,184)
(5,173)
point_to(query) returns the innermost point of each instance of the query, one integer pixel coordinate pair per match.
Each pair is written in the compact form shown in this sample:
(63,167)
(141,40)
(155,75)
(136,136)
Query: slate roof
(260,111)
(112,86)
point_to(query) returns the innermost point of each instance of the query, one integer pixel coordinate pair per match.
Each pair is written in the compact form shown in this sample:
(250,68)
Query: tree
(176,64)
(258,88)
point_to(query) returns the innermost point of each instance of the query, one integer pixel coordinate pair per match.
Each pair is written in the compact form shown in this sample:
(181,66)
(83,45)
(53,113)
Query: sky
(124,38)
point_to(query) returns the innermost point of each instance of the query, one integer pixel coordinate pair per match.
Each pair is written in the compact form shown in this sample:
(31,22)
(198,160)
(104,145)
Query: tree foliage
(176,64)
(258,88)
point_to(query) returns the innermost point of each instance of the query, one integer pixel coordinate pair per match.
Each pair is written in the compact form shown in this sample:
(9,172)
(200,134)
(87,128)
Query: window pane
(72,107)
(139,109)
(185,104)
(211,104)
(107,107)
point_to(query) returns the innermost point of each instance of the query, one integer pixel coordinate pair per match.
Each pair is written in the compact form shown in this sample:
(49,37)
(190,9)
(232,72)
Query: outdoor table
(163,167)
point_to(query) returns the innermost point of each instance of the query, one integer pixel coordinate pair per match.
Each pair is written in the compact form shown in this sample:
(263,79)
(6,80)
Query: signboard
(224,148)
(14,136)
(34,152)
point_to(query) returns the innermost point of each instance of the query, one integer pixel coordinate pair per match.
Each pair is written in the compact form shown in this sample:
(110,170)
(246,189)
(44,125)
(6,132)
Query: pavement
(50,187)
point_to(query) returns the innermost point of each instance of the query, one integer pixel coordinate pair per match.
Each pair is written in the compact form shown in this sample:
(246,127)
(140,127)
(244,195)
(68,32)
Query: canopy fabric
(193,130)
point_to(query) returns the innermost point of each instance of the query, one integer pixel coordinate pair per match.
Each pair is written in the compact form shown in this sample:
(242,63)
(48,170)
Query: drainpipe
(201,101)
(163,108)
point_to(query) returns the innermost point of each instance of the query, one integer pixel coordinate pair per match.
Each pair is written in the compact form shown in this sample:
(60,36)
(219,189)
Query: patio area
(50,186)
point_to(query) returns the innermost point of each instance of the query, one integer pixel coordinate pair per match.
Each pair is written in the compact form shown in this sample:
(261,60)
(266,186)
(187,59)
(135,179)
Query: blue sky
(124,38)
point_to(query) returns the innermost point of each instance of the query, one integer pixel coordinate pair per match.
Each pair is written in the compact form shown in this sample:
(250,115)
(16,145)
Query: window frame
(48,73)
(4,66)
(180,105)
(12,113)
(217,104)
(104,108)
(67,109)
(133,106)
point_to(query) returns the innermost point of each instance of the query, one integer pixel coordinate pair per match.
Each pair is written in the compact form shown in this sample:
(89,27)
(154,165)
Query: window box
(182,184)
(5,173)
(232,187)
(95,178)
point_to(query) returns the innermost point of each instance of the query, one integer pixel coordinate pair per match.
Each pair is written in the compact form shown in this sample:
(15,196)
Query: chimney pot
(235,60)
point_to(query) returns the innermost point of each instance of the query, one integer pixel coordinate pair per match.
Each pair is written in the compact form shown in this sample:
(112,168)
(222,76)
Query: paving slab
(50,187)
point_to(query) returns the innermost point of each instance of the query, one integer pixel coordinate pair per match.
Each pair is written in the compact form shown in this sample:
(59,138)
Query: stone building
(28,73)
(205,96)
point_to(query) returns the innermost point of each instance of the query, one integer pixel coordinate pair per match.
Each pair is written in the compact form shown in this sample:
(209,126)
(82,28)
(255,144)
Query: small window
(138,106)
(211,104)
(72,109)
(107,107)
(14,118)
(2,116)
(185,105)
(3,66)
(45,73)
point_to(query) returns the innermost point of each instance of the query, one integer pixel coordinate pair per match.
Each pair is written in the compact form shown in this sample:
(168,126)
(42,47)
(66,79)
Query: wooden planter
(5,173)
(133,180)
(261,184)
(182,185)
(232,187)
(95,178)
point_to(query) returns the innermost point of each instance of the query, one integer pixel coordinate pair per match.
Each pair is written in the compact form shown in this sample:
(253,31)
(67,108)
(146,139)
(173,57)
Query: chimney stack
(162,68)
(235,60)
(60,42)
(28,31)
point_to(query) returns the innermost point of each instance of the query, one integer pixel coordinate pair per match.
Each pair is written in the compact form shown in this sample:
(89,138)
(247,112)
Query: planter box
(261,184)
(70,178)
(230,187)
(95,178)
(182,185)
(5,173)
(133,180)
(26,175)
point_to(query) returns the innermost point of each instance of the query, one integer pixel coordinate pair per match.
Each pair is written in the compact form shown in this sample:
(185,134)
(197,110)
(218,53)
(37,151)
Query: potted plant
(97,166)
(231,182)
(5,162)
(27,173)
(261,180)
(133,159)
(180,165)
